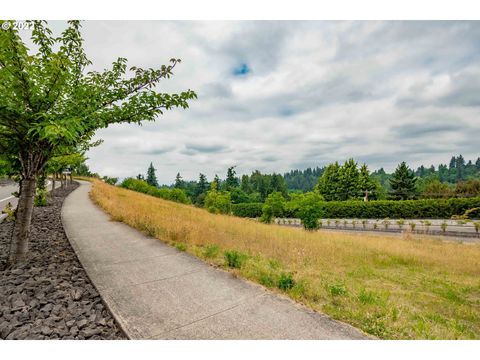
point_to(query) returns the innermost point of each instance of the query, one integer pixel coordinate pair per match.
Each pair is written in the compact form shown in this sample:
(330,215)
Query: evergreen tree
(201,189)
(403,183)
(245,184)
(140,177)
(179,183)
(365,183)
(443,173)
(328,184)
(202,185)
(151,177)
(277,184)
(452,163)
(231,181)
(261,184)
(216,183)
(304,180)
(420,171)
(349,181)
(460,167)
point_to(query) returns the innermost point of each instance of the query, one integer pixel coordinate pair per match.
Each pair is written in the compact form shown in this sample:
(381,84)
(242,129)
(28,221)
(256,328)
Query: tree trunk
(71,178)
(53,184)
(21,230)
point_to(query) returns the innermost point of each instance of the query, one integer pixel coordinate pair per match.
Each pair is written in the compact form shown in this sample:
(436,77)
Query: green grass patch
(234,259)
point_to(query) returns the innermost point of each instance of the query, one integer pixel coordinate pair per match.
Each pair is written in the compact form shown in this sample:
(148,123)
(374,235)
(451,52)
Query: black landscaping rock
(50,296)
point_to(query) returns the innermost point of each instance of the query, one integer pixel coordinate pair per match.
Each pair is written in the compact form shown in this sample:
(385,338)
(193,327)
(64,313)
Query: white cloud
(380,92)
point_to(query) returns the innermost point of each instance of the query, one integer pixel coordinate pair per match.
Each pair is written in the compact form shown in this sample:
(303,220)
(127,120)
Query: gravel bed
(50,296)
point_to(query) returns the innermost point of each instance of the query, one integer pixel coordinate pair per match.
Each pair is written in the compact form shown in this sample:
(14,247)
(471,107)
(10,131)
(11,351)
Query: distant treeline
(334,182)
(457,170)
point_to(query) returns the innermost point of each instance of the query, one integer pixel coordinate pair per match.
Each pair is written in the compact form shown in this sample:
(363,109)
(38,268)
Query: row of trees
(247,189)
(336,183)
(457,170)
(51,107)
(347,182)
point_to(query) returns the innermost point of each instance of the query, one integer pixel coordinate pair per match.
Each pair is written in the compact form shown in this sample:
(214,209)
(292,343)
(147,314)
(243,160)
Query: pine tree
(349,177)
(231,181)
(201,189)
(215,183)
(365,183)
(328,184)
(245,184)
(278,184)
(202,185)
(452,163)
(179,183)
(151,177)
(403,183)
(460,167)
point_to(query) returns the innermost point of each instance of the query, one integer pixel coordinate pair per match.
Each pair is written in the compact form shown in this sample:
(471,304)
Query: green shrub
(400,209)
(310,210)
(472,213)
(367,297)
(10,211)
(180,246)
(286,281)
(400,223)
(234,259)
(41,192)
(110,180)
(337,289)
(40,197)
(250,210)
(177,195)
(386,223)
(476,224)
(218,202)
(211,251)
(443,226)
(267,214)
(274,207)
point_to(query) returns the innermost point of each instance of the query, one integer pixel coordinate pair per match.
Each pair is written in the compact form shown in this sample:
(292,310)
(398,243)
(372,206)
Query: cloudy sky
(277,96)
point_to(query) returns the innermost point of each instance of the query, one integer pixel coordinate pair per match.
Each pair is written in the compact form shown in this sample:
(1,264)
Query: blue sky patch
(241,70)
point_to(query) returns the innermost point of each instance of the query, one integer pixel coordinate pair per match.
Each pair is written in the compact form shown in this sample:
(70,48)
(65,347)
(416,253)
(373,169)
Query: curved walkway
(156,292)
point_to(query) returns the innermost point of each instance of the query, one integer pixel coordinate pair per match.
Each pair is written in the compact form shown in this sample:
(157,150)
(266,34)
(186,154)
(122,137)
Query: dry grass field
(390,287)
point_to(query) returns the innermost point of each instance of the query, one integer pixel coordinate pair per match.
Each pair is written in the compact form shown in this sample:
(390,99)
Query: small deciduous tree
(311,210)
(435,189)
(218,202)
(274,207)
(49,101)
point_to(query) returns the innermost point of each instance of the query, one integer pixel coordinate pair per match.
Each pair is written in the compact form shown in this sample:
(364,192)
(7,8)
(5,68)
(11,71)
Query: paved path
(157,292)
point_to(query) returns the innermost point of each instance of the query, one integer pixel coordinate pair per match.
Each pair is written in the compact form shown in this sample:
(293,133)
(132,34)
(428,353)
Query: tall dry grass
(389,286)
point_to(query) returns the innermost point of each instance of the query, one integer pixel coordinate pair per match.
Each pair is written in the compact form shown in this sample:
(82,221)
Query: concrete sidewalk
(157,292)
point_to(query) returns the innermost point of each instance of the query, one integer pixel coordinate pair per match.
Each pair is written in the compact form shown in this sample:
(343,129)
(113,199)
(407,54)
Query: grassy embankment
(391,287)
